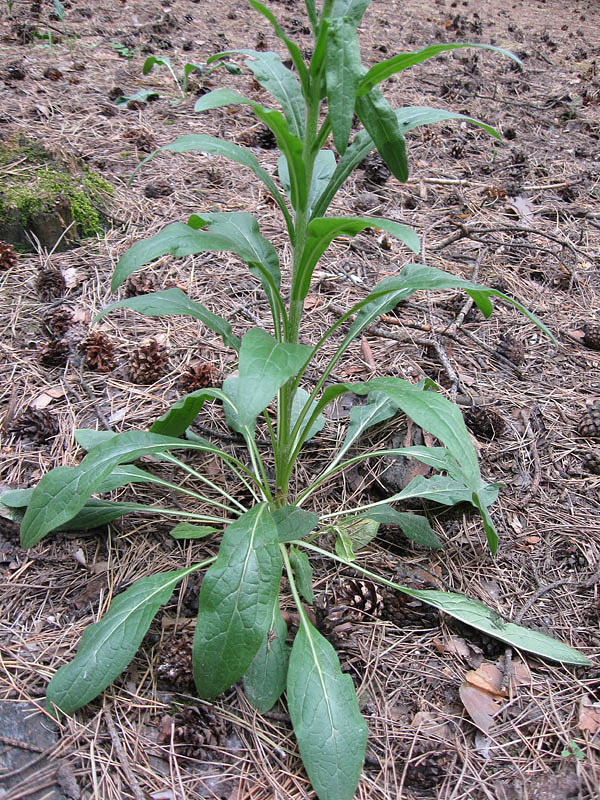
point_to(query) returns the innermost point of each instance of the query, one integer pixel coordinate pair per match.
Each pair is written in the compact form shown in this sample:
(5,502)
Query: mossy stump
(45,198)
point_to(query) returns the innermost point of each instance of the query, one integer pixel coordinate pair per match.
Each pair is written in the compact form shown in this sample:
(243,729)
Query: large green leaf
(264,366)
(384,69)
(221,147)
(264,680)
(174,302)
(351,9)
(323,230)
(322,702)
(64,491)
(323,169)
(108,646)
(180,416)
(379,119)
(236,601)
(408,118)
(303,573)
(479,616)
(343,71)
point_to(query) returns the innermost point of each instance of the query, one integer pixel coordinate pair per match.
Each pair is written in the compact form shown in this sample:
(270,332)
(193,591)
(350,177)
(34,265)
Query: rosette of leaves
(240,633)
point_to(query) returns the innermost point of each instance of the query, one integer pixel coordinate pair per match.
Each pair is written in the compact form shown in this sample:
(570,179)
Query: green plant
(188,68)
(123,50)
(240,632)
(573,749)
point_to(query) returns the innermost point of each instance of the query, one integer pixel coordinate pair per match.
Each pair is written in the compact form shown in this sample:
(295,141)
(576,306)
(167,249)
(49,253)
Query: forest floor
(521,214)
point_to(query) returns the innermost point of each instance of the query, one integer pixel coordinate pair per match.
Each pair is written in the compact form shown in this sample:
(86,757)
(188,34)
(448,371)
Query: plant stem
(182,465)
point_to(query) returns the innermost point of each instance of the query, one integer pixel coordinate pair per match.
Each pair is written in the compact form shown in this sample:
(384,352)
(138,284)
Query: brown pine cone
(50,283)
(158,189)
(591,335)
(484,423)
(148,363)
(99,352)
(140,283)
(404,611)
(376,170)
(200,375)
(589,425)
(511,349)
(143,140)
(428,766)
(54,354)
(58,322)
(591,463)
(356,598)
(176,661)
(37,425)
(8,256)
(196,731)
(265,138)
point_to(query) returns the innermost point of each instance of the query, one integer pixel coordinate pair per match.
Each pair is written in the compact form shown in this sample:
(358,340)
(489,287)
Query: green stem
(198,475)
(293,587)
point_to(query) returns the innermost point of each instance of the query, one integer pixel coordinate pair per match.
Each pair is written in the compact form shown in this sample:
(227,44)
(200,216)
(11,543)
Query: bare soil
(521,214)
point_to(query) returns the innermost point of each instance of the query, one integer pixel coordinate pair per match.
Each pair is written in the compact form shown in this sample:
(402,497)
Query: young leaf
(236,601)
(378,409)
(294,523)
(151,61)
(353,10)
(292,47)
(412,526)
(323,169)
(380,120)
(108,646)
(185,530)
(180,416)
(303,573)
(343,71)
(301,398)
(344,546)
(264,680)
(174,302)
(265,365)
(331,733)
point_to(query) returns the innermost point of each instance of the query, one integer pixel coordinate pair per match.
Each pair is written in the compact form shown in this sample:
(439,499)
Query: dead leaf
(523,208)
(589,715)
(426,722)
(41,401)
(72,277)
(455,645)
(487,677)
(479,705)
(312,301)
(367,353)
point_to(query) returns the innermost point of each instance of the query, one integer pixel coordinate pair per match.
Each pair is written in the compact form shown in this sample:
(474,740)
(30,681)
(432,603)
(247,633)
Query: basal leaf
(380,121)
(294,523)
(236,601)
(264,366)
(181,415)
(322,702)
(264,680)
(174,302)
(343,71)
(479,616)
(303,573)
(108,646)
(413,526)
(301,398)
(362,417)
(88,439)
(185,530)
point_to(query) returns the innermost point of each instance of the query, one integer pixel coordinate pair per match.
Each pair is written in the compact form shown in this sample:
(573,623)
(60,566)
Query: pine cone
(99,352)
(484,423)
(591,335)
(158,189)
(148,363)
(176,662)
(591,463)
(356,599)
(200,375)
(428,766)
(8,256)
(54,354)
(143,140)
(37,425)
(511,349)
(265,138)
(140,283)
(589,425)
(58,322)
(376,170)
(405,611)
(50,284)
(196,732)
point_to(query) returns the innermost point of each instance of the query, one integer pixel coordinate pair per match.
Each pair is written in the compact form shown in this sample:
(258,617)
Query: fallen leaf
(367,353)
(41,401)
(479,705)
(455,645)
(426,722)
(72,277)
(487,677)
(589,715)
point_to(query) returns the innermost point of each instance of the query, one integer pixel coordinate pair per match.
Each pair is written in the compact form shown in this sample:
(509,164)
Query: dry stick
(537,465)
(133,781)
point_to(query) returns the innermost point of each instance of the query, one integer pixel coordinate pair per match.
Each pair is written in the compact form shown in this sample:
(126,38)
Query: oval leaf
(264,680)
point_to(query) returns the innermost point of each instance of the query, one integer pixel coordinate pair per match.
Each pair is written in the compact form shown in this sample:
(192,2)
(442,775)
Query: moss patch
(42,196)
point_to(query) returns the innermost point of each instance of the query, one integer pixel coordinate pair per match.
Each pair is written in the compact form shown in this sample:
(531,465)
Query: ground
(521,214)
